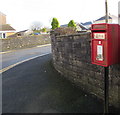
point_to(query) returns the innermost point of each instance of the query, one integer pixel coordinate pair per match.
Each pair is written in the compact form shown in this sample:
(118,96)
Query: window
(4,35)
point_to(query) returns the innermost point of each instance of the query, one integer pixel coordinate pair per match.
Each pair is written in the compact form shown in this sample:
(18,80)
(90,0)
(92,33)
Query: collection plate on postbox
(105,44)
(99,35)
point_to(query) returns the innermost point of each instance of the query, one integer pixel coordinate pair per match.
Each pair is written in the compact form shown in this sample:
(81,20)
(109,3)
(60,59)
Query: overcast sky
(21,13)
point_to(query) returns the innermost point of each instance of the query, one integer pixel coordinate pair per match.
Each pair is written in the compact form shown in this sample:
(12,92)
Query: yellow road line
(44,45)
(11,66)
(7,51)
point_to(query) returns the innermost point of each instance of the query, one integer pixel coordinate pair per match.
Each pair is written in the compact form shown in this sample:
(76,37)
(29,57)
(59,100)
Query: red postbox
(105,44)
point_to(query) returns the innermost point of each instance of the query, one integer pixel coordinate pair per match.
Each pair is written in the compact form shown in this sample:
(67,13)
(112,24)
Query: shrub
(44,30)
(55,23)
(71,23)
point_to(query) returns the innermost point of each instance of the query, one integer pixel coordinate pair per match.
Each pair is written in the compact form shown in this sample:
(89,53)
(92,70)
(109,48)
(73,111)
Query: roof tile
(6,27)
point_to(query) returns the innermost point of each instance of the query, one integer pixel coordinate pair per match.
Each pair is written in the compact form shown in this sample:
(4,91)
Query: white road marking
(11,66)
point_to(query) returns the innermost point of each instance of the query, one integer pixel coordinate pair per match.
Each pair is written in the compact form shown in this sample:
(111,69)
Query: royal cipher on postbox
(105,47)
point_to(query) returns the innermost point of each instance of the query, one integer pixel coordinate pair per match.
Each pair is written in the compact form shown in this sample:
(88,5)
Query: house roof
(103,18)
(82,26)
(6,27)
(87,23)
(22,31)
(65,25)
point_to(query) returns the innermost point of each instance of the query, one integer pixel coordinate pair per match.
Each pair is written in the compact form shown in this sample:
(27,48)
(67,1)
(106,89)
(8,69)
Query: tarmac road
(36,87)
(16,56)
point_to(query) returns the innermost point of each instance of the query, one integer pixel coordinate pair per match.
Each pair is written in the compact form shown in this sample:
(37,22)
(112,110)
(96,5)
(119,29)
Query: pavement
(36,87)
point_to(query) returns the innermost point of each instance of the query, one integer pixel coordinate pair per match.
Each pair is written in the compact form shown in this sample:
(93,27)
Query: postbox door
(99,52)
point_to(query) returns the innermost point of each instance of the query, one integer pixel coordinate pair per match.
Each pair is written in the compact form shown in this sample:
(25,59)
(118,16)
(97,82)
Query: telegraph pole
(106,73)
(106,10)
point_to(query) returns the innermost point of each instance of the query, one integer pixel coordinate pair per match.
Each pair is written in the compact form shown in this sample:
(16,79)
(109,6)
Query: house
(18,34)
(5,29)
(21,33)
(111,19)
(87,25)
(2,18)
(79,27)
(64,25)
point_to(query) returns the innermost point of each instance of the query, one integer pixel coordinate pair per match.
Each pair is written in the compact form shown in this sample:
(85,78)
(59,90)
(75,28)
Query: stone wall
(72,58)
(24,42)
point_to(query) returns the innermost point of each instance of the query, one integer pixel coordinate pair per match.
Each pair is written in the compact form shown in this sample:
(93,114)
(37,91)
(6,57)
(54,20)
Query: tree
(55,23)
(36,26)
(71,23)
(44,29)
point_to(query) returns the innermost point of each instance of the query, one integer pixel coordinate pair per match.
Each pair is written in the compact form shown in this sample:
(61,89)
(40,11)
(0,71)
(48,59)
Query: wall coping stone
(77,34)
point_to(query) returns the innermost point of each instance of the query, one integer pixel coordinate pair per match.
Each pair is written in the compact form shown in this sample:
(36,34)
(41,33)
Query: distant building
(64,25)
(87,25)
(5,29)
(2,18)
(111,19)
(21,33)
(79,27)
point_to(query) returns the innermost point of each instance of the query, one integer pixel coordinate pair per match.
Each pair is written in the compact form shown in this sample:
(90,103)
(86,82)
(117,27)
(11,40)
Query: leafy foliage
(55,23)
(44,30)
(71,23)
